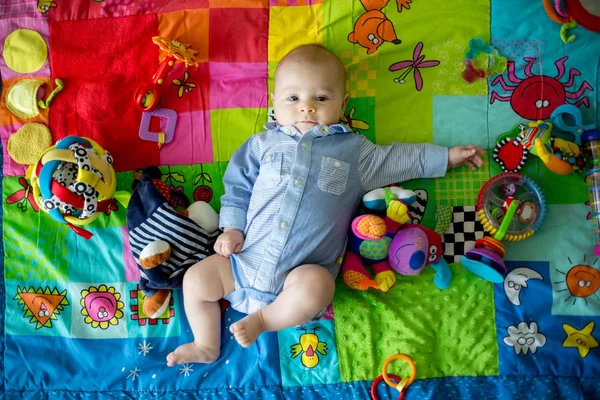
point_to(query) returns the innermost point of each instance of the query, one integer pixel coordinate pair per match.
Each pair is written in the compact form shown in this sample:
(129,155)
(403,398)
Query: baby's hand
(465,155)
(229,242)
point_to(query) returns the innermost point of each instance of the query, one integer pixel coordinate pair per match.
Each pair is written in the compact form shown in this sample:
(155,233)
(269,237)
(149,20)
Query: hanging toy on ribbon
(73,181)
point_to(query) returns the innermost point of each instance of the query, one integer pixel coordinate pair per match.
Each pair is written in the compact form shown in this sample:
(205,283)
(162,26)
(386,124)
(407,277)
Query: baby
(290,194)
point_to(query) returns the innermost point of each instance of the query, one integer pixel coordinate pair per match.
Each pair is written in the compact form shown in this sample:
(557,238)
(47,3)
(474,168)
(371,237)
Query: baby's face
(306,95)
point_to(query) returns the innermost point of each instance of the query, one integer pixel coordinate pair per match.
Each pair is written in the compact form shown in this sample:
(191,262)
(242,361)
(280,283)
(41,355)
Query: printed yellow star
(581,339)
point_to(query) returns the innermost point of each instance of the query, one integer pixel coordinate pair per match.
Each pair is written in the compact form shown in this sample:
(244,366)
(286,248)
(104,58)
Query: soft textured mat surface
(470,341)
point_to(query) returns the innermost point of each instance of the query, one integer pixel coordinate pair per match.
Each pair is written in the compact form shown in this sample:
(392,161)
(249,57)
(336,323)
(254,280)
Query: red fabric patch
(154,124)
(185,95)
(73,10)
(238,34)
(101,69)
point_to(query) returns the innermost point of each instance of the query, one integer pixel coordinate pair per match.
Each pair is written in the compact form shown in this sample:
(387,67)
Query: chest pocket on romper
(333,176)
(270,171)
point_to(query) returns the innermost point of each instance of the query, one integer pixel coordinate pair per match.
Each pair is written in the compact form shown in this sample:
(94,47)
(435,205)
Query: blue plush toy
(165,242)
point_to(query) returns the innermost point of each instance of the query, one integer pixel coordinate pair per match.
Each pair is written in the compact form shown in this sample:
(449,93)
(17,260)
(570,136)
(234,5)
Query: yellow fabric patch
(25,51)
(290,27)
(27,144)
(21,99)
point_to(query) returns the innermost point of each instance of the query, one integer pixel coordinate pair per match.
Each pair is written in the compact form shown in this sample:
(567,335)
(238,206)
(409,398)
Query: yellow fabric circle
(25,51)
(28,143)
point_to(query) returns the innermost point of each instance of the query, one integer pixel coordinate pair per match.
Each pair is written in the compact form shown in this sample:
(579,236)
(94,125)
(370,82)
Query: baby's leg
(307,290)
(204,284)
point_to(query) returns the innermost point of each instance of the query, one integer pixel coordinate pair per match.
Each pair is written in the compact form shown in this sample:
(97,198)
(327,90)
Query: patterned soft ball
(413,248)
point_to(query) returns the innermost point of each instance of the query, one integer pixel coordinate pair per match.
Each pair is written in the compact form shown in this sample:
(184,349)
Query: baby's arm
(380,166)
(238,180)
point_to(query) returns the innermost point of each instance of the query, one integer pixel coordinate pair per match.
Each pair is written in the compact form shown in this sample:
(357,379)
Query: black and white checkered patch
(461,235)
(417,209)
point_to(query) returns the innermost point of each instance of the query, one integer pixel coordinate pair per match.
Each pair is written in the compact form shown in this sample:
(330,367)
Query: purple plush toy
(413,248)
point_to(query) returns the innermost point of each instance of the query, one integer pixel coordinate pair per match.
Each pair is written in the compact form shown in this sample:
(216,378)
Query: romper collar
(319,130)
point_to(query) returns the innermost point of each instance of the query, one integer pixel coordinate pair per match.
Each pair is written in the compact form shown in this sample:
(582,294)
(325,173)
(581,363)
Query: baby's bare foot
(246,330)
(193,353)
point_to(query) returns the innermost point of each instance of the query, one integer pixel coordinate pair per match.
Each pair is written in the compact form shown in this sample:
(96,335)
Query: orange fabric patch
(186,26)
(8,118)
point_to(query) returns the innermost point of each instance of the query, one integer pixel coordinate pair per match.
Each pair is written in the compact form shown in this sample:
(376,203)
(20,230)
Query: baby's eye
(292,98)
(322,98)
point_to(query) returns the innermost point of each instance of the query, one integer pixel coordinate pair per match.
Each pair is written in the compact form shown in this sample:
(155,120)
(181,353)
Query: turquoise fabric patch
(460,120)
(98,310)
(539,41)
(310,366)
(99,259)
(29,312)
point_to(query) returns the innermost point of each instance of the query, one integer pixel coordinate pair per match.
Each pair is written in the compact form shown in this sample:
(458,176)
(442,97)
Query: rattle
(147,97)
(402,383)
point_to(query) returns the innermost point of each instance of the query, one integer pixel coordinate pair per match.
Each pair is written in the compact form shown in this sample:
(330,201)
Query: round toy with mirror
(511,208)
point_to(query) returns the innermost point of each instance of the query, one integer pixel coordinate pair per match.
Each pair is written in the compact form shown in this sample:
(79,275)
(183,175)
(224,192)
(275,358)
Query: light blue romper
(294,195)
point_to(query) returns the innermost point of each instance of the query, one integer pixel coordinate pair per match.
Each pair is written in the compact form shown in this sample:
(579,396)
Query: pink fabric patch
(132,273)
(328,314)
(9,167)
(238,85)
(192,143)
(39,24)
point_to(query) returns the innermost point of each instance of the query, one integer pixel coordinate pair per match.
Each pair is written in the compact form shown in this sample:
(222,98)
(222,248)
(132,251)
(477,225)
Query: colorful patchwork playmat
(73,324)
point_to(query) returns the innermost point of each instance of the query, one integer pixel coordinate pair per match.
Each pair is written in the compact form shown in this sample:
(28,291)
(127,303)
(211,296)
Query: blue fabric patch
(252,370)
(530,339)
(480,388)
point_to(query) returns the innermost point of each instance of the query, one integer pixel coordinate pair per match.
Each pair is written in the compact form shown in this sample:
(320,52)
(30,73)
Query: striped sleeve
(379,166)
(238,180)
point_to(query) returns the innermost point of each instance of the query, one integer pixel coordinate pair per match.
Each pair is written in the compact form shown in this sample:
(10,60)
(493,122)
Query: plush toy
(413,248)
(166,242)
(370,238)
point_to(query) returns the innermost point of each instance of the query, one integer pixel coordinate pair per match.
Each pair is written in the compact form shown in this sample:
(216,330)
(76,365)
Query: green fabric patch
(34,244)
(447,332)
(428,185)
(360,115)
(444,219)
(369,75)
(232,126)
(197,182)
(461,186)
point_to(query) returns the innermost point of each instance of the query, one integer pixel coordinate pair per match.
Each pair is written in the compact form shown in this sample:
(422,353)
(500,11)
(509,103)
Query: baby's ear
(346,96)
(273,97)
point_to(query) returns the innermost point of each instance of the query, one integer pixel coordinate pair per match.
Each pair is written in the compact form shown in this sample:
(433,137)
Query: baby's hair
(312,54)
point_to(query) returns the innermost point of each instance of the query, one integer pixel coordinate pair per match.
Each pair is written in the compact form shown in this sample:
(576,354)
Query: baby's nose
(307,107)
